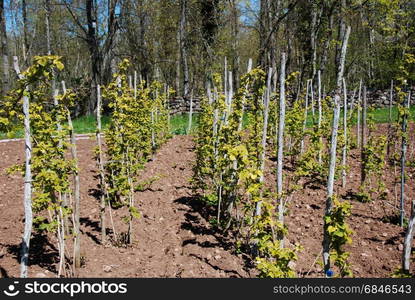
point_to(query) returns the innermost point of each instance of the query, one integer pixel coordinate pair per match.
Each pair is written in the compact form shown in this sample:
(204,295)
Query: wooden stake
(101,169)
(280,155)
(333,150)
(403,161)
(359,108)
(406,255)
(344,156)
(305,118)
(189,128)
(27,198)
(319,114)
(264,136)
(77,193)
(243,99)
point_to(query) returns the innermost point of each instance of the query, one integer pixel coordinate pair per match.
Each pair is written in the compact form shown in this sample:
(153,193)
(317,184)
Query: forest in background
(183,42)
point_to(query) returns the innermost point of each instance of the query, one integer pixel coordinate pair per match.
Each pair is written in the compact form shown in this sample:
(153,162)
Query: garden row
(231,158)
(139,125)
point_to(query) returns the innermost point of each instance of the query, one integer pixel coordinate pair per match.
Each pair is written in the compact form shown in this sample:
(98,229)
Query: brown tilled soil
(173,237)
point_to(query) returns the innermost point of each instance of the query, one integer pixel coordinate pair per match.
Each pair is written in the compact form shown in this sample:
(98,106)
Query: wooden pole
(363,134)
(305,118)
(390,119)
(312,99)
(344,156)
(243,99)
(403,160)
(264,136)
(280,153)
(135,84)
(359,103)
(189,128)
(333,150)
(27,198)
(406,255)
(319,114)
(101,169)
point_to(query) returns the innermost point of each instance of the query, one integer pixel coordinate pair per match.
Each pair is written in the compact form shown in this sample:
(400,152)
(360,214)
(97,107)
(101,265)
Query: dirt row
(173,237)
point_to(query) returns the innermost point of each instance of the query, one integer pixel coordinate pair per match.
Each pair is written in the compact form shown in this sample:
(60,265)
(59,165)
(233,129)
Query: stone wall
(379,98)
(178,105)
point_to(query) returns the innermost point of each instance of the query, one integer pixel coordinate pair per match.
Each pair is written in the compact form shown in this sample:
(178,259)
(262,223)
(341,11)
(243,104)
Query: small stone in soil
(107,269)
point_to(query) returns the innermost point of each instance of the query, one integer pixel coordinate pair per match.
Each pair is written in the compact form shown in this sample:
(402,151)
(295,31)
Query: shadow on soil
(198,210)
(3,273)
(42,253)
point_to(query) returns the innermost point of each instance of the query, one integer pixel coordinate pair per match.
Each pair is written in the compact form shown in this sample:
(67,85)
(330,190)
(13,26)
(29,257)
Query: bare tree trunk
(333,150)
(4,50)
(95,55)
(235,40)
(313,43)
(280,155)
(25,245)
(25,33)
(47,24)
(178,65)
(263,28)
(183,47)
(342,29)
(326,46)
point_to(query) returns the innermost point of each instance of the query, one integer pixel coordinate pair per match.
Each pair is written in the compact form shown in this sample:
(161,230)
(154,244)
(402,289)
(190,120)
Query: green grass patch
(380,115)
(88,124)
(179,123)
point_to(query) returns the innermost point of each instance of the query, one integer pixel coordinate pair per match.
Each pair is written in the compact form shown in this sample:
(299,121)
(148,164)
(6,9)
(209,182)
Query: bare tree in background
(4,50)
(183,48)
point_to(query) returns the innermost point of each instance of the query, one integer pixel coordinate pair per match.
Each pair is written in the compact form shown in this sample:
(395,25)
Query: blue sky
(249,10)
